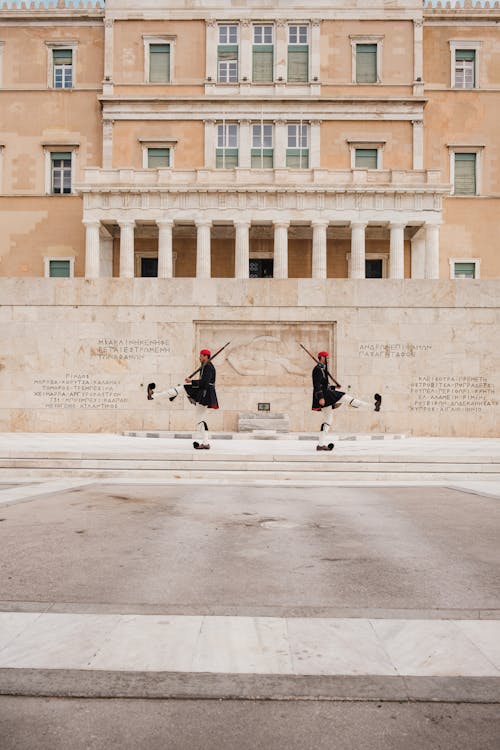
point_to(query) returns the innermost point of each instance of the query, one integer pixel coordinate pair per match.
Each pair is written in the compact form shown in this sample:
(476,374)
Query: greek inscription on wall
(385,351)
(79,391)
(129,349)
(439,394)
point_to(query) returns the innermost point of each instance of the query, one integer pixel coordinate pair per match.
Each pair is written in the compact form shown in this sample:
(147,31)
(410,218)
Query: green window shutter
(262,159)
(465,174)
(226,158)
(297,158)
(62,56)
(262,63)
(159,63)
(366,63)
(298,63)
(465,270)
(158,157)
(227,52)
(59,268)
(366,158)
(465,54)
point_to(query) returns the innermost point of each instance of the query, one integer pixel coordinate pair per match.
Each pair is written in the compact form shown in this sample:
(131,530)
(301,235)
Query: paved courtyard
(374,608)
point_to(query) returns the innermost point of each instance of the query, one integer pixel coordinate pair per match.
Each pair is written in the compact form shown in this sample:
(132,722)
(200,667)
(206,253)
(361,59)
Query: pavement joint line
(24,494)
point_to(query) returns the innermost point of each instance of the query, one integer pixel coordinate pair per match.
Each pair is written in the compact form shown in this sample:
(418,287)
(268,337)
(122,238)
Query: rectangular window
(297,152)
(262,54)
(158,157)
(62,63)
(227,146)
(465,182)
(464,270)
(366,63)
(465,68)
(298,54)
(366,158)
(227,54)
(60,172)
(159,63)
(261,268)
(59,268)
(262,146)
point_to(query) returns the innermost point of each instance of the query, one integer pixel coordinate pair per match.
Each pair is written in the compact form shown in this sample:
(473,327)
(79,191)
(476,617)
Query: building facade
(232,139)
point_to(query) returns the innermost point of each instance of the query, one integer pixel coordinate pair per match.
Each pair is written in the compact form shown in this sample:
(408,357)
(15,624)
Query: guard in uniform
(201,393)
(326,399)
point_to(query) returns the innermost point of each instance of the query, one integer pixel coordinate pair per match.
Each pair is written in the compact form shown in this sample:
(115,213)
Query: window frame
(164,143)
(475,261)
(466,149)
(355,144)
(61,44)
(224,147)
(149,40)
(68,258)
(298,43)
(299,140)
(376,39)
(264,46)
(263,150)
(465,44)
(50,149)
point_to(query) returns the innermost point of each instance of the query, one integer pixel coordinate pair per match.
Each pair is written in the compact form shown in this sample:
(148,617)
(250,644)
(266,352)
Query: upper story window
(262,156)
(159,62)
(464,63)
(62,65)
(297,152)
(263,54)
(366,63)
(227,54)
(464,268)
(57,268)
(298,53)
(465,174)
(226,156)
(158,158)
(366,158)
(61,172)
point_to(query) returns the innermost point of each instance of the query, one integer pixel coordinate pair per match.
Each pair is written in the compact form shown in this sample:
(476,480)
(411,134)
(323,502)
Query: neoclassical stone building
(299,139)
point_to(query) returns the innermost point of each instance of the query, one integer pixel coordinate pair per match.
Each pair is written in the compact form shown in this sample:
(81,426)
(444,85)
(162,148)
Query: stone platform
(107,456)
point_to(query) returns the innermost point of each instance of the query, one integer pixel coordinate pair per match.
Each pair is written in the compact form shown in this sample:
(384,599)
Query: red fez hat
(323,354)
(206,351)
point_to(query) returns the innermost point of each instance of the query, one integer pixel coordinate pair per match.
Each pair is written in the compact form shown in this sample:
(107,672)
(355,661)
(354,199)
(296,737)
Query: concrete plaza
(353,593)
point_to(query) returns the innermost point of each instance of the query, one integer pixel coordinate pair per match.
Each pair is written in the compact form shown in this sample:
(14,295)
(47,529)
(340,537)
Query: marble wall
(76,355)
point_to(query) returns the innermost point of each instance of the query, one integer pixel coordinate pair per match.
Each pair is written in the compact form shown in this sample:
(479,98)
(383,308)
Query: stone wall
(77,355)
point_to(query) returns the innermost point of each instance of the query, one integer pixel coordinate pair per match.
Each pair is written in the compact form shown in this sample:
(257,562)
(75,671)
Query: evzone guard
(326,398)
(200,392)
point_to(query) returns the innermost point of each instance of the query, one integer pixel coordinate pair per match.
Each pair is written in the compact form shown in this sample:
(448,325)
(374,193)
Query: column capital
(126,223)
(359,224)
(242,223)
(165,222)
(397,224)
(91,222)
(281,224)
(320,223)
(203,223)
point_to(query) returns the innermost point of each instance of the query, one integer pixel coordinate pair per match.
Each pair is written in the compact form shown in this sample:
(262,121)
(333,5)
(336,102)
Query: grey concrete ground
(273,551)
(55,724)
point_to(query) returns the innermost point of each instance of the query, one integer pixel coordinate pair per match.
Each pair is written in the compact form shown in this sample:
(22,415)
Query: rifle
(209,359)
(318,362)
(152,386)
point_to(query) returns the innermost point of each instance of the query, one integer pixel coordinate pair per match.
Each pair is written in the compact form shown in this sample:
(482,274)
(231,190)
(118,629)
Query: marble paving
(250,645)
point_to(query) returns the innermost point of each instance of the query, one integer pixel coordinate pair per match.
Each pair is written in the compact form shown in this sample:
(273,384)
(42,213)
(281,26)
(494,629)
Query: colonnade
(425,249)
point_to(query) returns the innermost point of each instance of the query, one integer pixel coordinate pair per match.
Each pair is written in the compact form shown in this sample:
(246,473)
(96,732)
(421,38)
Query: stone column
(212,31)
(107,144)
(281,249)
(397,253)
(418,254)
(245,145)
(92,250)
(315,50)
(315,144)
(126,249)
(108,56)
(432,251)
(358,268)
(418,144)
(242,250)
(245,61)
(281,50)
(210,143)
(165,264)
(203,249)
(280,144)
(319,249)
(418,49)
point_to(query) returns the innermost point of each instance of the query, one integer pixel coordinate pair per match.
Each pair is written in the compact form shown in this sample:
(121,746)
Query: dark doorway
(149,266)
(373,268)
(261,268)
